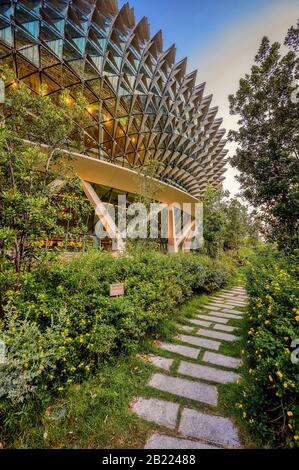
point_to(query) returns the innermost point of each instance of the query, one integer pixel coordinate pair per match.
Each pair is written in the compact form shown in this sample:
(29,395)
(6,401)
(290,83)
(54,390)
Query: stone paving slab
(210,308)
(204,343)
(188,329)
(221,306)
(201,323)
(221,360)
(164,442)
(235,312)
(160,412)
(230,298)
(208,427)
(230,316)
(215,319)
(217,335)
(185,388)
(235,304)
(212,374)
(229,329)
(180,349)
(238,300)
(160,362)
(233,295)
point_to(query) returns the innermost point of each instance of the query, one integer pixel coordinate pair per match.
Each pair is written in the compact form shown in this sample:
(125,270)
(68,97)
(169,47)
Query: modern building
(144,106)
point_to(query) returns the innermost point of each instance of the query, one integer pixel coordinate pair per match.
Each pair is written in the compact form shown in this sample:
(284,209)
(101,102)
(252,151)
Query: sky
(220,39)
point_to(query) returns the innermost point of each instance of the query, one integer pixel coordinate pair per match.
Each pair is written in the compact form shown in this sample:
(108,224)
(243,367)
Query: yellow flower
(297,318)
(270,378)
(290,413)
(244,414)
(296,437)
(279,374)
(285,385)
(267,322)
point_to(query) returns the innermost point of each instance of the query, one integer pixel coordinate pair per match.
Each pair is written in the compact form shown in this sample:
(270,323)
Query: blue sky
(220,39)
(194,25)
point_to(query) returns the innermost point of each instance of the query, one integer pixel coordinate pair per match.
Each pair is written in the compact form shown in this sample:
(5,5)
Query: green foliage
(31,209)
(268,139)
(228,225)
(270,395)
(214,220)
(61,324)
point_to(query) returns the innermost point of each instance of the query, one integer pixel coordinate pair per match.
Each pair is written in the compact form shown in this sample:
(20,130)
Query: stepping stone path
(160,362)
(191,376)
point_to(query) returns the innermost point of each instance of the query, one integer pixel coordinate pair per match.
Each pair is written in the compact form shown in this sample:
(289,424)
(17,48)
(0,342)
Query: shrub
(62,323)
(270,396)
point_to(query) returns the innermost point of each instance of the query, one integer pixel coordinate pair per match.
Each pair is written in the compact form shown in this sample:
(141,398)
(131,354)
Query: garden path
(192,370)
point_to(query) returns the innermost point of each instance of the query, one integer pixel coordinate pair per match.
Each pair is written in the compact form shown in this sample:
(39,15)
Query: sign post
(117,290)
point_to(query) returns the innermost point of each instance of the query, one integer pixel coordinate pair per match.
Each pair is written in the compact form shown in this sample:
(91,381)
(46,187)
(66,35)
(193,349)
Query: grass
(96,414)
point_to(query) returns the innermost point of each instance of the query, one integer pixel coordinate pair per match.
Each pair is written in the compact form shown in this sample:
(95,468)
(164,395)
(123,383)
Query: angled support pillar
(118,243)
(188,237)
(183,236)
(173,246)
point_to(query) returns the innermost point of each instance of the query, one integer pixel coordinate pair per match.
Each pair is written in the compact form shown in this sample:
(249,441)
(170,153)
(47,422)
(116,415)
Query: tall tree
(268,137)
(236,225)
(214,220)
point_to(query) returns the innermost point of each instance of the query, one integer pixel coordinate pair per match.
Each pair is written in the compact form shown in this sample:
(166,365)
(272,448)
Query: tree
(236,225)
(214,223)
(31,207)
(268,137)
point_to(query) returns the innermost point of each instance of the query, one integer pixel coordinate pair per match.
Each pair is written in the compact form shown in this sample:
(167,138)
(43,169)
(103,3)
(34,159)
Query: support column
(118,244)
(172,240)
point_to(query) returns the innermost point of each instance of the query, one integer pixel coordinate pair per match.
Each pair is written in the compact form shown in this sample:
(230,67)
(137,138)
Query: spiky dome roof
(143,103)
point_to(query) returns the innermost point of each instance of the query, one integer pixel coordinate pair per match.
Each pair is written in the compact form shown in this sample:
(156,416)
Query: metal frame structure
(143,105)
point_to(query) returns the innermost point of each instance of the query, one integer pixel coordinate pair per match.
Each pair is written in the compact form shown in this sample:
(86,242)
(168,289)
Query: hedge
(62,323)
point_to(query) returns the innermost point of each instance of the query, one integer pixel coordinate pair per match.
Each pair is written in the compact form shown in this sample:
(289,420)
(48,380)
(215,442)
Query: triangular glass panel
(109,68)
(32,54)
(106,92)
(32,28)
(90,72)
(23,39)
(95,86)
(4,51)
(80,43)
(33,82)
(47,58)
(98,62)
(24,68)
(77,66)
(70,52)
(127,102)
(56,46)
(48,86)
(48,32)
(5,9)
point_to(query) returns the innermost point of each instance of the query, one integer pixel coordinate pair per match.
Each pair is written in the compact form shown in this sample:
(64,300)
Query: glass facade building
(143,105)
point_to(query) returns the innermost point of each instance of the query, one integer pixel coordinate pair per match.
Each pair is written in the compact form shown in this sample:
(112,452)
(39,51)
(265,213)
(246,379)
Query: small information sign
(117,290)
